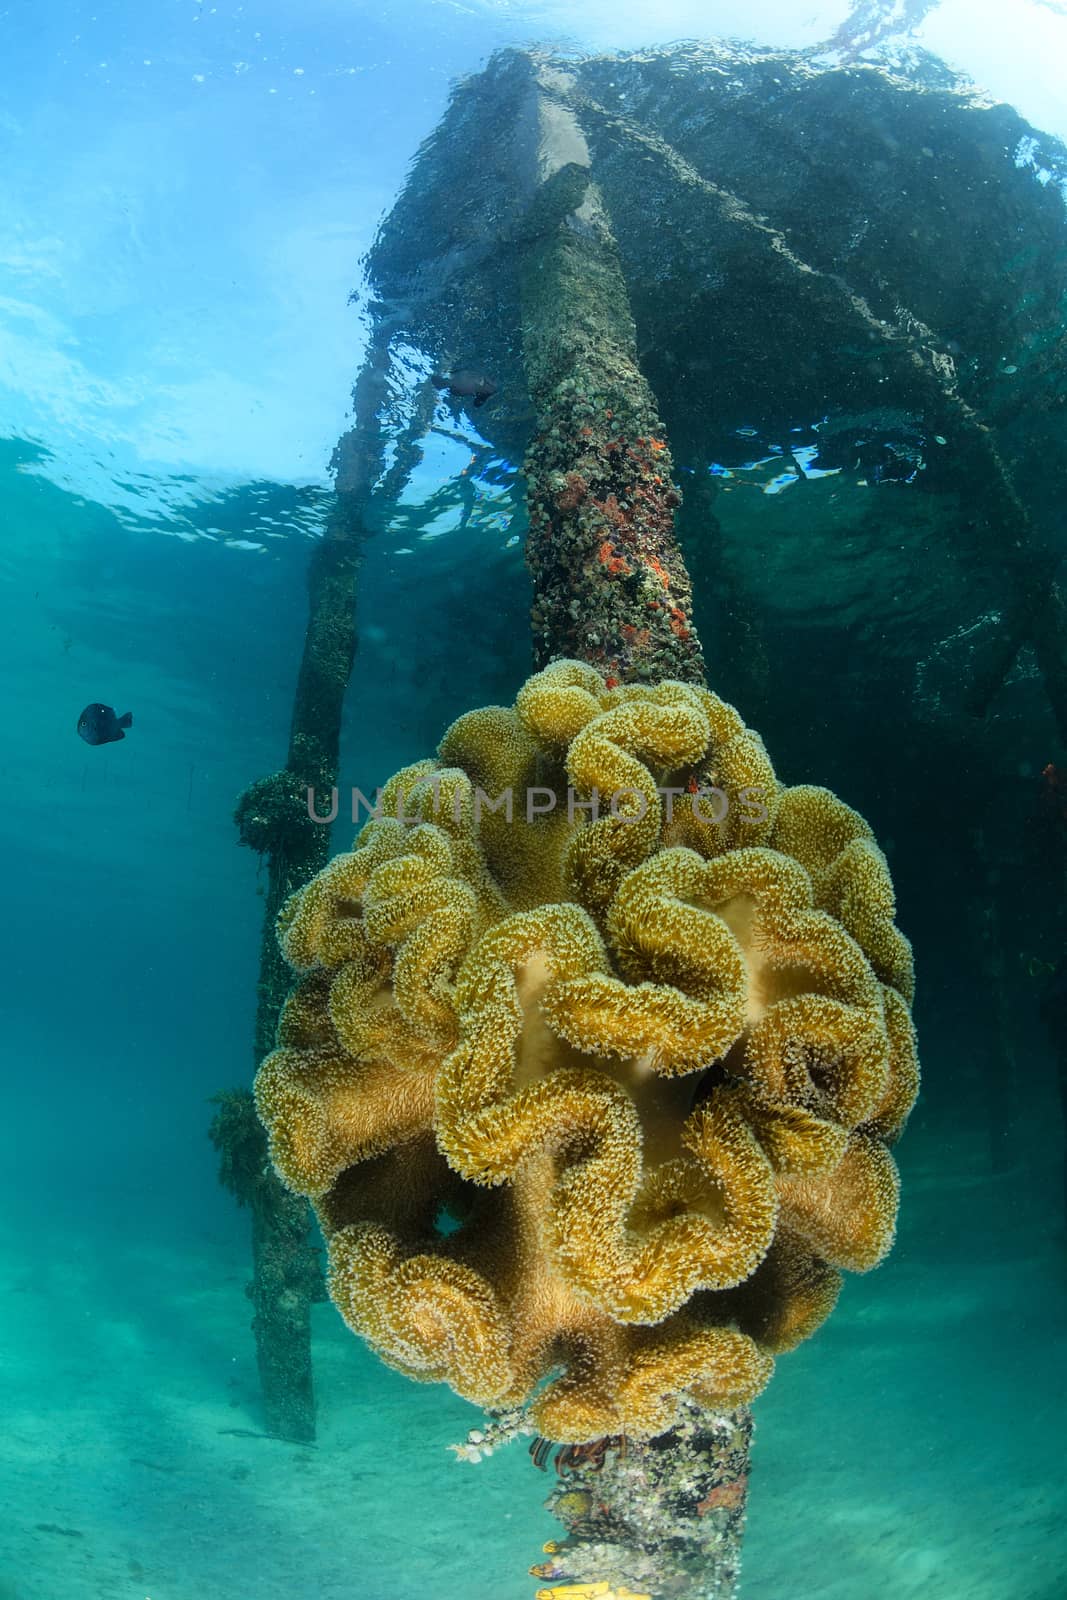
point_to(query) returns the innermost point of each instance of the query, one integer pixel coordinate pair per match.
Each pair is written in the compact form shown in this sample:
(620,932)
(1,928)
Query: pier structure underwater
(594,1106)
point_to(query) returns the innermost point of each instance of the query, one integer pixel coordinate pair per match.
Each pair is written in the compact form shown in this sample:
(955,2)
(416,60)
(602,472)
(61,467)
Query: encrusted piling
(661,1517)
(664,1518)
(273,817)
(610,585)
(287,1277)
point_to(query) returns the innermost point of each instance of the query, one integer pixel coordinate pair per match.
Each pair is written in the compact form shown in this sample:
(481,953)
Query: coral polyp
(594,1098)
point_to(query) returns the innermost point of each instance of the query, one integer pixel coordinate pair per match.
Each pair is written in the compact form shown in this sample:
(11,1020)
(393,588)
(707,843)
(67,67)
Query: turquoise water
(185,199)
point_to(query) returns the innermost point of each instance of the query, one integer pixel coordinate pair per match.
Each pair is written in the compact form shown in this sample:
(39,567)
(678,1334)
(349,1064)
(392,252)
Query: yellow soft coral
(600,1040)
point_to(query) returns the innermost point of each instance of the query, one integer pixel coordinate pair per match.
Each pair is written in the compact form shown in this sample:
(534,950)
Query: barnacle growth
(594,1101)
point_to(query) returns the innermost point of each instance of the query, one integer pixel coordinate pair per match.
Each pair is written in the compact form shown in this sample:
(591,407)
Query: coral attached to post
(600,1039)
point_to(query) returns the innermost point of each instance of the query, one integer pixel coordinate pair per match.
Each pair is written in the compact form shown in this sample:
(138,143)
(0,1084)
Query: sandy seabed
(912,1451)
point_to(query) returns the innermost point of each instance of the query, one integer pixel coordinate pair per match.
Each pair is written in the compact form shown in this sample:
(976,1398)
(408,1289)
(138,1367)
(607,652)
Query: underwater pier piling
(273,817)
(610,584)
(663,1516)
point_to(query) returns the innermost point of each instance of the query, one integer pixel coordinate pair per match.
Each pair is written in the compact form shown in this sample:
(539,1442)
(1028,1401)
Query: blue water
(186,192)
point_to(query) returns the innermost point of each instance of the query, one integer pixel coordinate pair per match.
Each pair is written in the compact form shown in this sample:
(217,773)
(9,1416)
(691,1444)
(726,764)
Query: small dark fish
(466,385)
(98,724)
(1052,802)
